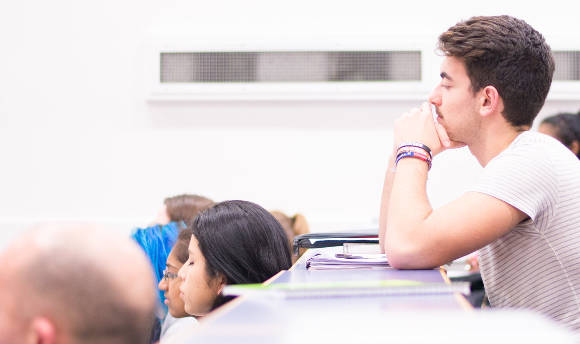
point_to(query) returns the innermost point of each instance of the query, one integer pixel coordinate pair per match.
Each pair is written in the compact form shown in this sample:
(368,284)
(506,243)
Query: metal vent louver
(567,65)
(290,66)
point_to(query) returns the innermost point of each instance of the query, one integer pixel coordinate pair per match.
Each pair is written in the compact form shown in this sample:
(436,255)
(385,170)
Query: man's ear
(41,331)
(490,101)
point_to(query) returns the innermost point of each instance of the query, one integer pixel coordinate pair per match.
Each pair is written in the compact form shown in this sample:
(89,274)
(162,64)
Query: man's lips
(434,112)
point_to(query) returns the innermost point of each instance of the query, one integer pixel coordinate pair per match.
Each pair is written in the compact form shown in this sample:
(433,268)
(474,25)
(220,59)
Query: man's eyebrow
(445,76)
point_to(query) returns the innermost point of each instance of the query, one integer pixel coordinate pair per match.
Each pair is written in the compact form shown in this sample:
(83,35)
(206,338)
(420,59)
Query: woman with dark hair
(177,320)
(234,242)
(158,239)
(565,127)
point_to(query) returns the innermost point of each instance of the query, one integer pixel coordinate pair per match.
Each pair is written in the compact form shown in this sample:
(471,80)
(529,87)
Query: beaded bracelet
(417,145)
(411,154)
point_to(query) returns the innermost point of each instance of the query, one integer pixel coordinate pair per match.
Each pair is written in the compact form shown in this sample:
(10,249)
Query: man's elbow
(400,258)
(408,255)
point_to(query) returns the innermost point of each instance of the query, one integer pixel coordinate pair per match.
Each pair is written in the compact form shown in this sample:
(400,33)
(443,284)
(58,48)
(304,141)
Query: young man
(524,213)
(73,284)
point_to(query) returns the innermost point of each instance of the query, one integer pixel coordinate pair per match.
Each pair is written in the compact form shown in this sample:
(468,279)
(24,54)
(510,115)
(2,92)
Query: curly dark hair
(508,54)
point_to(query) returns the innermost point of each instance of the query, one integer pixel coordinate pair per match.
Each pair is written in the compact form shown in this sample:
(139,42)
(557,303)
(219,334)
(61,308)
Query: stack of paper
(360,261)
(356,248)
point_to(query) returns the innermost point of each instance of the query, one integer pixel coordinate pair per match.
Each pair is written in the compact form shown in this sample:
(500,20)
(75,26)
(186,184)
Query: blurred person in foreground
(523,213)
(75,284)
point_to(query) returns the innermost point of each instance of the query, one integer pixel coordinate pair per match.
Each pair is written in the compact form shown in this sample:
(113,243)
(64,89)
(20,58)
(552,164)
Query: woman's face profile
(170,285)
(198,290)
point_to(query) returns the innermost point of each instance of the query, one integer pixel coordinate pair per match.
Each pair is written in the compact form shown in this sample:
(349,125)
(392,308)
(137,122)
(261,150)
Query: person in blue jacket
(158,239)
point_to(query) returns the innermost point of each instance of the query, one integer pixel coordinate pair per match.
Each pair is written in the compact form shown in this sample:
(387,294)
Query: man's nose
(435,97)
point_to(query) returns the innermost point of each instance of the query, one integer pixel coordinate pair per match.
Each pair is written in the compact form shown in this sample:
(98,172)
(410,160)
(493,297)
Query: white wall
(79,139)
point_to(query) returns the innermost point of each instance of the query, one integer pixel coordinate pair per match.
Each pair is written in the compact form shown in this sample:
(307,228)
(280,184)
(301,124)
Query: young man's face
(455,102)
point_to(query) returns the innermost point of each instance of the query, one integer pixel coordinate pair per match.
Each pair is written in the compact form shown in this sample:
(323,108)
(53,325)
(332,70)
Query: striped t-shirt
(537,264)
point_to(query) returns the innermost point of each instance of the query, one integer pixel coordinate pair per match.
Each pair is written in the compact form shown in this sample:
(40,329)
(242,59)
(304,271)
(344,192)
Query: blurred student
(177,320)
(293,226)
(75,284)
(524,211)
(183,207)
(233,242)
(565,127)
(157,240)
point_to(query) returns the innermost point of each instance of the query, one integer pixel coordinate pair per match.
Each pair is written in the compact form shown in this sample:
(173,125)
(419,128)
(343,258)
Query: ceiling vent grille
(567,65)
(289,66)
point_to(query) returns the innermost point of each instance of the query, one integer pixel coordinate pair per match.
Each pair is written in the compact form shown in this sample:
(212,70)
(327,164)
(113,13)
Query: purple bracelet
(417,145)
(411,154)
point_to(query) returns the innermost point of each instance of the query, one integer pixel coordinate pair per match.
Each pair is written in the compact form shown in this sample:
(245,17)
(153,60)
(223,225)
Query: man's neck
(494,140)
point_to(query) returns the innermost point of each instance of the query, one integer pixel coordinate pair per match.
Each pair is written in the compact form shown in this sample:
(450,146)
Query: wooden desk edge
(301,260)
(460,298)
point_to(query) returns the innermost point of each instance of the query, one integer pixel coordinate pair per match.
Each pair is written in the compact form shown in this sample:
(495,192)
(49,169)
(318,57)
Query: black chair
(319,240)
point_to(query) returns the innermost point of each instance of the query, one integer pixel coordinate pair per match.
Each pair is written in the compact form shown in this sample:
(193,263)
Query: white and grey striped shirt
(537,264)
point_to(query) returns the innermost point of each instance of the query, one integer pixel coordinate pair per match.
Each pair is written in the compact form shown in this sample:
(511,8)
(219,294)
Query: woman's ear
(490,101)
(221,281)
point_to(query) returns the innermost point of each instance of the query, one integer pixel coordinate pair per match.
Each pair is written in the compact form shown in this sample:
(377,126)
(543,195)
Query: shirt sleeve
(523,179)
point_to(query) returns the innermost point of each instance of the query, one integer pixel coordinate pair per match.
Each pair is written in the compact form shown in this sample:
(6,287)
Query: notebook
(345,289)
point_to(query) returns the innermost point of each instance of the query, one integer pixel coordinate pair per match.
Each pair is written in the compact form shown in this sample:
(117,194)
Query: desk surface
(256,320)
(442,318)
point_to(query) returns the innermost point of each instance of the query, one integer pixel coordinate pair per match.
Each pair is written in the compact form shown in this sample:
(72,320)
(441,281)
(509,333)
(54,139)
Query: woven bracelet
(417,145)
(410,154)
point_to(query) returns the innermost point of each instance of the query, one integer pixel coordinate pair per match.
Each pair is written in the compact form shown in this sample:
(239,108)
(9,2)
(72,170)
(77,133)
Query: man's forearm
(408,209)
